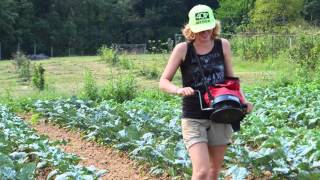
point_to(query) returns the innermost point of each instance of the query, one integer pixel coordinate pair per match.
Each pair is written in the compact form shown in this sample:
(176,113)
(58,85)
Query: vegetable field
(24,154)
(80,97)
(280,139)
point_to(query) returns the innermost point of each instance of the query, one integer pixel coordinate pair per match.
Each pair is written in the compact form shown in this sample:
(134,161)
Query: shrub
(156,94)
(120,90)
(126,63)
(90,89)
(159,46)
(150,72)
(259,47)
(108,55)
(22,64)
(38,77)
(306,53)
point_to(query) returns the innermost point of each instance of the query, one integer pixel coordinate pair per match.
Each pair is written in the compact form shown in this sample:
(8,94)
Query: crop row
(24,154)
(280,138)
(134,126)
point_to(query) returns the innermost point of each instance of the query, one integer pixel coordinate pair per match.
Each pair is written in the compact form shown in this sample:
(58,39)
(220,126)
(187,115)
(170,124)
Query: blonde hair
(190,36)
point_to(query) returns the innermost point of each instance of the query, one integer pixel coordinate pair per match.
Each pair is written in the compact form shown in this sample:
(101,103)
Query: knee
(214,173)
(202,173)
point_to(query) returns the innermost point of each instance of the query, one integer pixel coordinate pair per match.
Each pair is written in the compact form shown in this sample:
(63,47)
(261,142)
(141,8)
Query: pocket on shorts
(190,129)
(228,131)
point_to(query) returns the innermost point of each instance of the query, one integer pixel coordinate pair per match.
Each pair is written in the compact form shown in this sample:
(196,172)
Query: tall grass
(122,89)
(90,89)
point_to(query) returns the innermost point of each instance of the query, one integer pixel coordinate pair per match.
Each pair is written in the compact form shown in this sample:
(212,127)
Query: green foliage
(280,137)
(127,127)
(234,13)
(126,63)
(35,118)
(22,104)
(38,77)
(122,89)
(90,89)
(154,94)
(311,10)
(84,27)
(301,50)
(306,53)
(150,72)
(22,153)
(22,65)
(158,46)
(108,55)
(271,15)
(259,47)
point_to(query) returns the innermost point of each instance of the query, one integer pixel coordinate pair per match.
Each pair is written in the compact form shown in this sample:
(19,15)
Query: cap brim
(202,27)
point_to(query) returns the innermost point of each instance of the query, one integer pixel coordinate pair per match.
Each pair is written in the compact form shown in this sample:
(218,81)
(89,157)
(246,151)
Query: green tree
(23,24)
(8,16)
(234,13)
(272,15)
(312,10)
(38,77)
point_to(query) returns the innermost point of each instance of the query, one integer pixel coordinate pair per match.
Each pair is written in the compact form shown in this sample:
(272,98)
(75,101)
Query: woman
(205,140)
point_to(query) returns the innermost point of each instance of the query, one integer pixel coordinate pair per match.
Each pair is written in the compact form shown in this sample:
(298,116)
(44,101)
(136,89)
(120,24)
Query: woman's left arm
(229,69)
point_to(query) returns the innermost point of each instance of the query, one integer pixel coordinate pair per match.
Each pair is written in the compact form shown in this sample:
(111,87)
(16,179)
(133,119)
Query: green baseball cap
(201,18)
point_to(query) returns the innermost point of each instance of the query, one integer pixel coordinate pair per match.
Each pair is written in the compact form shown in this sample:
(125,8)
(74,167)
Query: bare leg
(216,154)
(199,155)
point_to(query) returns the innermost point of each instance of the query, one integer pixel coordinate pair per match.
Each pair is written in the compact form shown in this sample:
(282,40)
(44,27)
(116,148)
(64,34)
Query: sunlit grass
(65,75)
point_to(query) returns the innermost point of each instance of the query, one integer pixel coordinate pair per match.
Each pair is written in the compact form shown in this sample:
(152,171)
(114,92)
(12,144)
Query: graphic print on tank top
(212,67)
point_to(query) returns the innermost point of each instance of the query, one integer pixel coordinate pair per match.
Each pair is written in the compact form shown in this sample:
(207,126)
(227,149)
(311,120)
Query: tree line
(84,25)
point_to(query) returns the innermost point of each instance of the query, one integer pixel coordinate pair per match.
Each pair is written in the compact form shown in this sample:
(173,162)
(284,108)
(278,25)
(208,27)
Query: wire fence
(245,46)
(261,46)
(35,51)
(131,48)
(7,51)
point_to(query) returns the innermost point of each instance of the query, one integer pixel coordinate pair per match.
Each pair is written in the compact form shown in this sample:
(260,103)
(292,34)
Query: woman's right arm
(177,56)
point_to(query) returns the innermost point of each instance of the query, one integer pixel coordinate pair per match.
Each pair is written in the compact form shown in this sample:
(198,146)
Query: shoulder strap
(189,47)
(194,54)
(218,44)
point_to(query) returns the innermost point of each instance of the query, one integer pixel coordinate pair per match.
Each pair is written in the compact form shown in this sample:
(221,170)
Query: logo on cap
(202,17)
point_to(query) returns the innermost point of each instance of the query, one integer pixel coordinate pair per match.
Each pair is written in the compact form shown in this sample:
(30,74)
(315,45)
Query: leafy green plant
(158,46)
(306,53)
(108,55)
(126,63)
(22,64)
(22,153)
(38,80)
(155,94)
(90,89)
(127,127)
(121,89)
(259,47)
(150,72)
(35,119)
(279,140)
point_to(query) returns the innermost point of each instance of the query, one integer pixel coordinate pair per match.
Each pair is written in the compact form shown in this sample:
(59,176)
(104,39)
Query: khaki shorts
(203,130)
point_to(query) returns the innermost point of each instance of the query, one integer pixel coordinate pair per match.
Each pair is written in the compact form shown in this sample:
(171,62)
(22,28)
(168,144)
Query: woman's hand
(185,91)
(249,107)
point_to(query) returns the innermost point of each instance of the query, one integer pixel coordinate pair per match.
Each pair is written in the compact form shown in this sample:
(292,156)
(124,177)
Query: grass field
(65,75)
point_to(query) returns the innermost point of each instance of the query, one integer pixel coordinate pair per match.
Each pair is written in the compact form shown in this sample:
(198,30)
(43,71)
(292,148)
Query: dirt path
(117,164)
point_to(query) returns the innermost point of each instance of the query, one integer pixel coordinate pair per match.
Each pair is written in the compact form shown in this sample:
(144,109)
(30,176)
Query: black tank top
(213,67)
